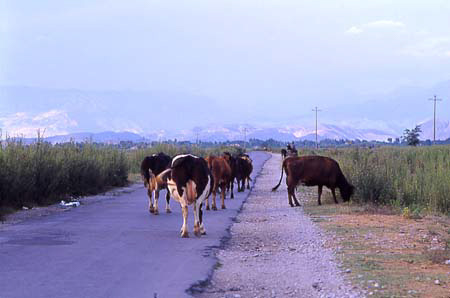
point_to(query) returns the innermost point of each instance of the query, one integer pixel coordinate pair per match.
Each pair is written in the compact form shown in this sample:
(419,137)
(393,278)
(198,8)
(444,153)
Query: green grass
(418,178)
(40,174)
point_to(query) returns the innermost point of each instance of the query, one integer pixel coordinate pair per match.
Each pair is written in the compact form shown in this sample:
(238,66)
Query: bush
(40,173)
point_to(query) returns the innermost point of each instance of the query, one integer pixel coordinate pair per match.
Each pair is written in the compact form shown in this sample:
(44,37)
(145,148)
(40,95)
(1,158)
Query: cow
(283,153)
(314,171)
(221,172)
(232,163)
(151,167)
(244,169)
(190,182)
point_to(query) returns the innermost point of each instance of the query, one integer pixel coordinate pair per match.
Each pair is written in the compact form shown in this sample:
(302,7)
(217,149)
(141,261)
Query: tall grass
(40,173)
(400,176)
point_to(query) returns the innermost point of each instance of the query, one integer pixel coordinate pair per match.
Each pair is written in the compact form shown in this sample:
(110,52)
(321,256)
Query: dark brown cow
(244,168)
(232,163)
(283,153)
(151,167)
(312,171)
(189,181)
(221,172)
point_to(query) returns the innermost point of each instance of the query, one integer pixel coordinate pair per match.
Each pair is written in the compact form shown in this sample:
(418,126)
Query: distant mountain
(217,133)
(109,137)
(442,130)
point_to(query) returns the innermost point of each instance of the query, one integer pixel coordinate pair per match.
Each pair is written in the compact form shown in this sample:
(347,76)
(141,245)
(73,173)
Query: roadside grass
(416,178)
(385,253)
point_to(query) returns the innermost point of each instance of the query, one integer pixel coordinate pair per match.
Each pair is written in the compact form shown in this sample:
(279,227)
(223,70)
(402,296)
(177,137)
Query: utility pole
(434,117)
(316,110)
(197,138)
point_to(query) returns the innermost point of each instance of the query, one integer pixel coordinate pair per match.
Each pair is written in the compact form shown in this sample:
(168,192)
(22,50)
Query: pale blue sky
(250,53)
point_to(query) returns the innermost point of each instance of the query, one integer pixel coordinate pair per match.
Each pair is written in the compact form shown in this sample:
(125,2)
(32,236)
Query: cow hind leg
(290,192)
(200,216)
(196,218)
(168,202)
(184,227)
(333,192)
(222,194)
(319,194)
(231,189)
(213,197)
(151,209)
(295,201)
(156,212)
(248,182)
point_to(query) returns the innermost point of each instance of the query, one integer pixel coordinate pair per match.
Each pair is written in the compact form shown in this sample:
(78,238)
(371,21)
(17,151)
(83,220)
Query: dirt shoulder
(388,255)
(275,250)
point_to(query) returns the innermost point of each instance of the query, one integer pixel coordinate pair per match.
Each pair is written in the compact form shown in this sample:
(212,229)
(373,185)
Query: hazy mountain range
(159,115)
(237,132)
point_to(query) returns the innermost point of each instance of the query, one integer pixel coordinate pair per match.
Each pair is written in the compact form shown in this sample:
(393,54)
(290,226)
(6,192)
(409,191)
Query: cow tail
(281,178)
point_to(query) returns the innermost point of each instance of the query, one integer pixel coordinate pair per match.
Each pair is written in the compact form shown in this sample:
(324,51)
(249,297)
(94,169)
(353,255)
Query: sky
(259,56)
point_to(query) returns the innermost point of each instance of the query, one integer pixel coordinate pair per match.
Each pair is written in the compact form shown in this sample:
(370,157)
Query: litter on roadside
(69,204)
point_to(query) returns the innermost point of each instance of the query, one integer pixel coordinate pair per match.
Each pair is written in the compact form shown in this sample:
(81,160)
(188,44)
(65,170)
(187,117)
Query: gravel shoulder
(275,250)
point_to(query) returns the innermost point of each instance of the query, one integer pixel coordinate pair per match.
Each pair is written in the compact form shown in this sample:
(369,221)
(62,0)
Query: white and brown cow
(189,181)
(151,167)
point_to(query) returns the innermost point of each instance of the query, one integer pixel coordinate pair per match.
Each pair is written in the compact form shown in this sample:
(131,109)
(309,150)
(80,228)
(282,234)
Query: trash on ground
(69,204)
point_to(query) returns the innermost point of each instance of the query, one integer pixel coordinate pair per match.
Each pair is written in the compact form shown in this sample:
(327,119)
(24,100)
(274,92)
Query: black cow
(151,167)
(244,168)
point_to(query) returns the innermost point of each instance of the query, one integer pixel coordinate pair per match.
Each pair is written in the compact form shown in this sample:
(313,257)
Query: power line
(316,110)
(434,117)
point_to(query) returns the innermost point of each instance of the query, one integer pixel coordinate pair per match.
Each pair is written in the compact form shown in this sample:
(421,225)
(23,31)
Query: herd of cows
(191,180)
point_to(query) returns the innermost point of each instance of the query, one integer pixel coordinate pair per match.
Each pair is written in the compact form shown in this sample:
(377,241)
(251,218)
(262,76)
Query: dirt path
(275,250)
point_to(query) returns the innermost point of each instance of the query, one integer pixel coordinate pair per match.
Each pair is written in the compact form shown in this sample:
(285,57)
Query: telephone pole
(245,138)
(316,110)
(434,117)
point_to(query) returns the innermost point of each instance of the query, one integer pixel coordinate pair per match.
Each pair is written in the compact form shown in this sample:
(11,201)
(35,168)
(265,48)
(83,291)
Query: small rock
(412,292)
(237,296)
(348,271)
(437,282)
(376,285)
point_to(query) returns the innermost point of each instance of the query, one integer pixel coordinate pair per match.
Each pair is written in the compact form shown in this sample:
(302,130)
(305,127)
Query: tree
(411,137)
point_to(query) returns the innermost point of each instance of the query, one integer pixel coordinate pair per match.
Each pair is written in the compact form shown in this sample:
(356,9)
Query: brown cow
(232,163)
(221,172)
(189,181)
(312,171)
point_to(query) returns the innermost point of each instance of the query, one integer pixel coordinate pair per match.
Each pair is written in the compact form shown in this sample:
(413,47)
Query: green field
(413,177)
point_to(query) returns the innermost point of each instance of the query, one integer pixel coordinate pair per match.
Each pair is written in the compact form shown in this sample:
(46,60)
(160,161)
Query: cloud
(380,24)
(429,47)
(21,124)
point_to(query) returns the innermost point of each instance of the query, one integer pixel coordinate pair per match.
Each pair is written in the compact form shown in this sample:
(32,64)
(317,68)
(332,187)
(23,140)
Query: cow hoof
(298,205)
(168,211)
(214,208)
(185,234)
(207,208)
(197,233)
(223,207)
(151,210)
(232,197)
(156,212)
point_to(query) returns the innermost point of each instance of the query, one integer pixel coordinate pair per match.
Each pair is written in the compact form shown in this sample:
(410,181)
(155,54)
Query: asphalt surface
(112,248)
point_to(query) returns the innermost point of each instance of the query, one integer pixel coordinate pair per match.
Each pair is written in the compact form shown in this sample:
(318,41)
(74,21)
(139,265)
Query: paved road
(112,248)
